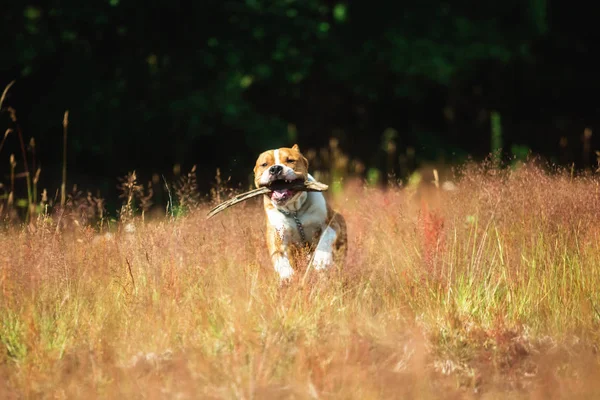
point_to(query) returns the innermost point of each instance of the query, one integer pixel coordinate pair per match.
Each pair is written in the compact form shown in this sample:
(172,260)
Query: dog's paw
(322,260)
(284,268)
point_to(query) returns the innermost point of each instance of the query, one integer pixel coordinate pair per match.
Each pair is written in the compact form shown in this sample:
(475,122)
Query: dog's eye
(264,164)
(291,161)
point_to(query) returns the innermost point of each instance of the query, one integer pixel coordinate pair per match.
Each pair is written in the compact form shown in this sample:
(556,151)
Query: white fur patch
(276,155)
(322,260)
(283,268)
(278,220)
(324,253)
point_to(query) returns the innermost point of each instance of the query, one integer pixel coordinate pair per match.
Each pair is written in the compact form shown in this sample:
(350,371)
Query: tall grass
(487,290)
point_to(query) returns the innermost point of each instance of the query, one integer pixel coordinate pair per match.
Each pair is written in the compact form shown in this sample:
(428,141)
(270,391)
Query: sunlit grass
(491,288)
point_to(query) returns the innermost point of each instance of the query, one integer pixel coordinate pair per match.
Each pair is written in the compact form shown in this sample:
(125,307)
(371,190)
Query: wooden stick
(306,186)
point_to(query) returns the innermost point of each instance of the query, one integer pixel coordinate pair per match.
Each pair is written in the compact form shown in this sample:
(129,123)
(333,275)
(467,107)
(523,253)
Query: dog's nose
(275,169)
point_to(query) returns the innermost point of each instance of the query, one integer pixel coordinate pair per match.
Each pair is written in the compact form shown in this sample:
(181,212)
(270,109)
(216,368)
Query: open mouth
(282,190)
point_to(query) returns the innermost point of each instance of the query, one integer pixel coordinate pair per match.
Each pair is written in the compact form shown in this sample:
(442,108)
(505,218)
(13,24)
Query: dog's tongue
(281,194)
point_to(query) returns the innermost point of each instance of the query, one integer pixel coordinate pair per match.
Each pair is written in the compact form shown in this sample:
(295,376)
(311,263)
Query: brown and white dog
(297,219)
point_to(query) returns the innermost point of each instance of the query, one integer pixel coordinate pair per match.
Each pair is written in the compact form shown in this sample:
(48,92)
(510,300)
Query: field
(490,290)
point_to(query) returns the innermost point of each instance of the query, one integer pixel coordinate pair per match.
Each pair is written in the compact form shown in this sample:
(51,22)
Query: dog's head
(284,164)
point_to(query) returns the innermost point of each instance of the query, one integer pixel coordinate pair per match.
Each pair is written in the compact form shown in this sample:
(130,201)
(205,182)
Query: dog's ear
(295,147)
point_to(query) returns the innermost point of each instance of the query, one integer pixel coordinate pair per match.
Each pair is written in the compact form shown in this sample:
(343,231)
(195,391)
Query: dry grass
(488,291)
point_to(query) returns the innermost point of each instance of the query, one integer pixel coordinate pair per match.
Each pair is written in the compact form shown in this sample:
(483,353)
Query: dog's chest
(291,226)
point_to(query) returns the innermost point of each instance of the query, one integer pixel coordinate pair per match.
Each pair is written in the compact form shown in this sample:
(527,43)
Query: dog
(298,220)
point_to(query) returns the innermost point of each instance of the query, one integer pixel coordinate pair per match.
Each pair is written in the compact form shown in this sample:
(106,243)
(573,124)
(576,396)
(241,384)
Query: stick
(306,186)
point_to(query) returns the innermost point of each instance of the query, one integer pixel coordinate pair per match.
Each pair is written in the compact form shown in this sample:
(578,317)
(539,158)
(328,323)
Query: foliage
(199,75)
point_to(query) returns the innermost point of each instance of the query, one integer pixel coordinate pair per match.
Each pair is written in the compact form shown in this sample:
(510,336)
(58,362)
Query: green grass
(490,290)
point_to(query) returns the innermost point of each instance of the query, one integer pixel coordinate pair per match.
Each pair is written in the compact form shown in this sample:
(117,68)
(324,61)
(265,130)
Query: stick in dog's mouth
(297,185)
(285,184)
(282,190)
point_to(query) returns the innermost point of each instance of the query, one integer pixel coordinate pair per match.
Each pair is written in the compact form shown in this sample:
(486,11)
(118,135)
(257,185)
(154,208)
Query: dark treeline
(152,83)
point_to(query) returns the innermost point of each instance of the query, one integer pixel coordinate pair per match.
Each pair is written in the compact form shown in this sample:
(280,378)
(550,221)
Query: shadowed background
(152,84)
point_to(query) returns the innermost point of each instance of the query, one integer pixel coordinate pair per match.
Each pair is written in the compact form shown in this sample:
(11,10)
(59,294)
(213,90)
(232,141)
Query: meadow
(486,288)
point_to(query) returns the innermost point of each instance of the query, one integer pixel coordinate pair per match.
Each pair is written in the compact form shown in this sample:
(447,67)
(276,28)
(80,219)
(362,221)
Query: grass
(487,291)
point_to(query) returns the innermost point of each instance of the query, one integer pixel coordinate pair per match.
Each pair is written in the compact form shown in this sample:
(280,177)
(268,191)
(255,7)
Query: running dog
(297,219)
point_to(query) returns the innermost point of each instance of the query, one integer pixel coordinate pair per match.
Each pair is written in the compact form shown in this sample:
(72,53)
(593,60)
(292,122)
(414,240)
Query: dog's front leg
(278,250)
(282,265)
(324,252)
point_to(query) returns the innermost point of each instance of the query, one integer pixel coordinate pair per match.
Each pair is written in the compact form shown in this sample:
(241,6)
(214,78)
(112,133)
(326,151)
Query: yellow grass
(489,291)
